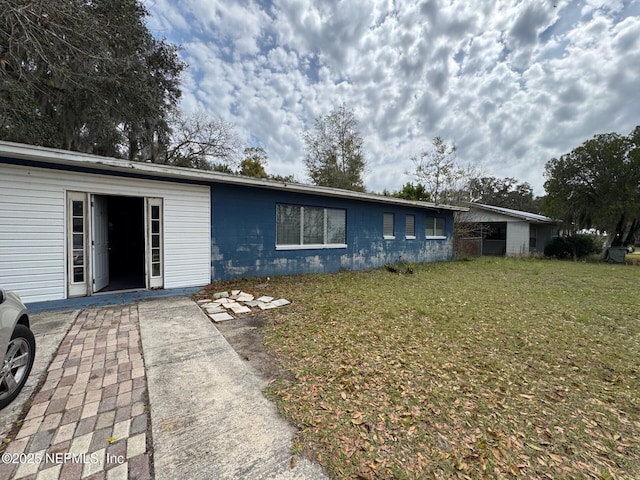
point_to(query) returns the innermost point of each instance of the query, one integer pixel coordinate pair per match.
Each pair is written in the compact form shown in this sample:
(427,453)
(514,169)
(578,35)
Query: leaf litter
(494,368)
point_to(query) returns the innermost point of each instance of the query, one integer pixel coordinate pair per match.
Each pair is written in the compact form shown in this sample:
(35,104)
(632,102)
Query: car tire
(17,363)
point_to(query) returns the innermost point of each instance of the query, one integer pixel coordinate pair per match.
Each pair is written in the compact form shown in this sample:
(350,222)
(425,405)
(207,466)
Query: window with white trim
(388,230)
(310,227)
(434,227)
(410,227)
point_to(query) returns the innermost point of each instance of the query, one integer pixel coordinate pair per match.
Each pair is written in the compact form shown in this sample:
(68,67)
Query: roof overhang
(53,157)
(517,214)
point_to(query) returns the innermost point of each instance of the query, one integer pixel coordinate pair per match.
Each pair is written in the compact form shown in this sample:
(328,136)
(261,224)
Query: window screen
(313,225)
(336,226)
(410,227)
(298,225)
(434,227)
(388,225)
(288,222)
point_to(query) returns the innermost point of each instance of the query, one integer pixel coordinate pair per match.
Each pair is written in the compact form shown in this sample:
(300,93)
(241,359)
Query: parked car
(17,340)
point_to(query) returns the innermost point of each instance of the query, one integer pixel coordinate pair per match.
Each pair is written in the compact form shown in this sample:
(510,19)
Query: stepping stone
(244,297)
(216,309)
(252,303)
(230,305)
(203,301)
(266,306)
(221,317)
(241,309)
(235,292)
(222,301)
(280,302)
(220,295)
(265,299)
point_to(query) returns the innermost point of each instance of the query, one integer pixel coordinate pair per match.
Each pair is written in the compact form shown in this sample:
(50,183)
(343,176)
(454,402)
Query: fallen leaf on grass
(555,457)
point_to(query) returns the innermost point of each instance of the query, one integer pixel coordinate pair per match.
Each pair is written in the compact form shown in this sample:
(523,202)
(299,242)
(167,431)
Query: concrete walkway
(208,414)
(90,418)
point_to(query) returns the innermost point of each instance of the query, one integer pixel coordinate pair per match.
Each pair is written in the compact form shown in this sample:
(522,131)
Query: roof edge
(70,158)
(528,216)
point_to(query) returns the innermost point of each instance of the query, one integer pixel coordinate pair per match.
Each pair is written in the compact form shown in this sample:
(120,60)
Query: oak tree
(598,185)
(85,75)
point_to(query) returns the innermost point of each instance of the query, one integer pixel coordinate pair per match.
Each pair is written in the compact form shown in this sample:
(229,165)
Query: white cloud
(512,83)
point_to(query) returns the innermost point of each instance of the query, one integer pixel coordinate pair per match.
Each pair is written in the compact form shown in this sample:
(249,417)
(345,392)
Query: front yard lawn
(492,368)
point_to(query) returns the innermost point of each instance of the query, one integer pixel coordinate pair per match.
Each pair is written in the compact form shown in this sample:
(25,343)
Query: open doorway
(126,243)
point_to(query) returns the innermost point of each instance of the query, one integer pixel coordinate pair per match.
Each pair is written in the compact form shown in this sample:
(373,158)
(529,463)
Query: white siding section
(517,238)
(33,237)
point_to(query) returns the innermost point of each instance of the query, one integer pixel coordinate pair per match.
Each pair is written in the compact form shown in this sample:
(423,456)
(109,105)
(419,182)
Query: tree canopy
(334,156)
(85,75)
(410,191)
(254,162)
(503,192)
(598,185)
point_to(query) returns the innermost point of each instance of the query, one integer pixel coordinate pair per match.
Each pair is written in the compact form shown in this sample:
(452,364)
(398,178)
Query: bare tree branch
(201,142)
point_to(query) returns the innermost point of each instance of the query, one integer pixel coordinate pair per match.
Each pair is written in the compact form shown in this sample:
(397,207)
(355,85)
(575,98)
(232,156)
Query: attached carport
(502,231)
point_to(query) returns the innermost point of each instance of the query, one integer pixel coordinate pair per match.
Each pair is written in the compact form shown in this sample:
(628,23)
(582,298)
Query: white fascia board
(76,159)
(517,214)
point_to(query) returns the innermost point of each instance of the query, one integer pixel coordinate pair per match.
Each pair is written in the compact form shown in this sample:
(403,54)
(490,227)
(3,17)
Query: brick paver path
(89,420)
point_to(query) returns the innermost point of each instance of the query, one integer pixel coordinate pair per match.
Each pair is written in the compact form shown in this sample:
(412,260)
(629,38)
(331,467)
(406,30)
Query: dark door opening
(126,243)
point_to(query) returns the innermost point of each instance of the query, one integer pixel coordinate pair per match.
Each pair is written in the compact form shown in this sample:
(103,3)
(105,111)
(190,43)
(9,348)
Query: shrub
(573,246)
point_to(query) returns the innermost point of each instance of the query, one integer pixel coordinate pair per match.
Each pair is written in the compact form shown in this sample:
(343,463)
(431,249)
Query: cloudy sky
(512,83)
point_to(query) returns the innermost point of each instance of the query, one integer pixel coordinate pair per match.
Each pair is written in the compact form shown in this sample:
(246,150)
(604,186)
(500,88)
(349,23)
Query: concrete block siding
(213,226)
(243,235)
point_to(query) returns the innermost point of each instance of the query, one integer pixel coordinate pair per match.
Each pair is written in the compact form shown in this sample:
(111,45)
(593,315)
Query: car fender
(11,310)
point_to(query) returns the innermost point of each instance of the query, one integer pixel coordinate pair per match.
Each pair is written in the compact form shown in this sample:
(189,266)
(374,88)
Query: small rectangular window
(388,227)
(310,227)
(410,226)
(434,227)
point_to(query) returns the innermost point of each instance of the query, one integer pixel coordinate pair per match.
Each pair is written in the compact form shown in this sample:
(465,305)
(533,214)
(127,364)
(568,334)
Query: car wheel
(17,364)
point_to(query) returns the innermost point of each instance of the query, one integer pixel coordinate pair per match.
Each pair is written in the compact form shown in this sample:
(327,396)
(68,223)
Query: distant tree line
(441,179)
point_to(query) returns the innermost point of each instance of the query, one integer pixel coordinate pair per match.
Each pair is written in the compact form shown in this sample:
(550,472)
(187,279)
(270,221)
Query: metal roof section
(520,215)
(67,158)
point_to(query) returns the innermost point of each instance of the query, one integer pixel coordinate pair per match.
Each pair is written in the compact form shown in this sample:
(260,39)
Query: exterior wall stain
(243,235)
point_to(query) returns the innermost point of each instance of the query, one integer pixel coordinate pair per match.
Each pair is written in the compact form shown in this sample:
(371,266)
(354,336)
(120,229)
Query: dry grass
(493,368)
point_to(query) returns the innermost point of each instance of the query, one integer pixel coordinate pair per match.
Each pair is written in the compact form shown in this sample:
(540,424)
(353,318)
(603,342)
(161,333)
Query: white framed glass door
(91,222)
(77,244)
(155,243)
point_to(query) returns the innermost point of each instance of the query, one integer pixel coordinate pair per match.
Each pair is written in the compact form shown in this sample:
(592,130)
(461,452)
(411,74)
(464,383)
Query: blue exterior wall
(243,235)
